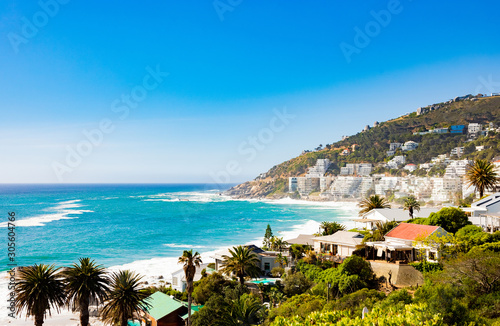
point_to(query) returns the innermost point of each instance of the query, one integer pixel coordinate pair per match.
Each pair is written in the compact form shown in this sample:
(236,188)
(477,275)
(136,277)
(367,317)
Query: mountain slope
(371,145)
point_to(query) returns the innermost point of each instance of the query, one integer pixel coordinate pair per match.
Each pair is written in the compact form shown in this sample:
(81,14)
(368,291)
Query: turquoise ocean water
(122,224)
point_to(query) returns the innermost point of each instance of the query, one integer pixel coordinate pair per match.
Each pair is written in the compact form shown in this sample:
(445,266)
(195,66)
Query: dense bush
(311,271)
(296,283)
(298,305)
(208,286)
(450,219)
(356,301)
(409,315)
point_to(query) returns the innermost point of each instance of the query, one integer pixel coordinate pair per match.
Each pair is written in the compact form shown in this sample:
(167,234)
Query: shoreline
(157,270)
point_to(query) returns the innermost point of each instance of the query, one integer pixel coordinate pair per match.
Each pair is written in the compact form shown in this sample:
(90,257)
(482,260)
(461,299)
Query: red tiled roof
(408,231)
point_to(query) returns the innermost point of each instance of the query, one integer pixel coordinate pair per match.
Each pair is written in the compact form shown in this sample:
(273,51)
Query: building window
(267,266)
(174,280)
(432,255)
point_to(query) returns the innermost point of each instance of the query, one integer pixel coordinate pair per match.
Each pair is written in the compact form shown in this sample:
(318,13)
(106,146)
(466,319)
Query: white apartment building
(420,187)
(474,128)
(409,146)
(456,168)
(307,185)
(444,189)
(324,183)
(367,183)
(347,186)
(319,169)
(363,169)
(385,184)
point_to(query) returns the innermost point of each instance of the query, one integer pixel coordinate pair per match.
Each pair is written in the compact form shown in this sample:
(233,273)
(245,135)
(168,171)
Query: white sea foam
(201,197)
(153,269)
(62,211)
(173,245)
(165,200)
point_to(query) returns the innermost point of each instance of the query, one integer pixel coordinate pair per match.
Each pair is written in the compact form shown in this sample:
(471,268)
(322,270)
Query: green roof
(193,310)
(162,305)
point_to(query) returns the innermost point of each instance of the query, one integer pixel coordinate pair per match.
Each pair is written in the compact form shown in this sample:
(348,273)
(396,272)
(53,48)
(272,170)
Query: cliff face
(256,189)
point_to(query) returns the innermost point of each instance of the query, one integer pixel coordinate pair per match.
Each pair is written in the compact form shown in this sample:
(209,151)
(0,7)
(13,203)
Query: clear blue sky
(231,64)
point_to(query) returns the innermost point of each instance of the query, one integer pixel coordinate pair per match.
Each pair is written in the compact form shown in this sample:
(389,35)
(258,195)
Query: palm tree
(381,229)
(331,227)
(282,260)
(482,176)
(38,288)
(243,261)
(372,202)
(247,310)
(278,244)
(85,282)
(124,299)
(411,204)
(190,261)
(276,297)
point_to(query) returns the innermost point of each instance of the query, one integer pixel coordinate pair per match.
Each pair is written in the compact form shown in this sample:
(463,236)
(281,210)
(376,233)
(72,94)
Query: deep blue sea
(121,224)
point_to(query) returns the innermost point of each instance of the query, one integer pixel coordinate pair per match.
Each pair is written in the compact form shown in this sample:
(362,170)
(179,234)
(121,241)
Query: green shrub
(295,284)
(426,267)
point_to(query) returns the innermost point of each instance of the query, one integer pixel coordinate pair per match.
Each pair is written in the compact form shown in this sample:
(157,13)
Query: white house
(410,167)
(409,146)
(341,243)
(384,215)
(267,259)
(486,212)
(179,278)
(403,243)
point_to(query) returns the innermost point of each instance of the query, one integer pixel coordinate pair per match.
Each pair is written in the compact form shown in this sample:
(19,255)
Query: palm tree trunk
(124,321)
(411,212)
(189,309)
(242,279)
(39,319)
(84,313)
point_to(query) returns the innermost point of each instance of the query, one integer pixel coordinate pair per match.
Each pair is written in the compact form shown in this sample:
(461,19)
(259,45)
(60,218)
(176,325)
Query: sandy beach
(64,318)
